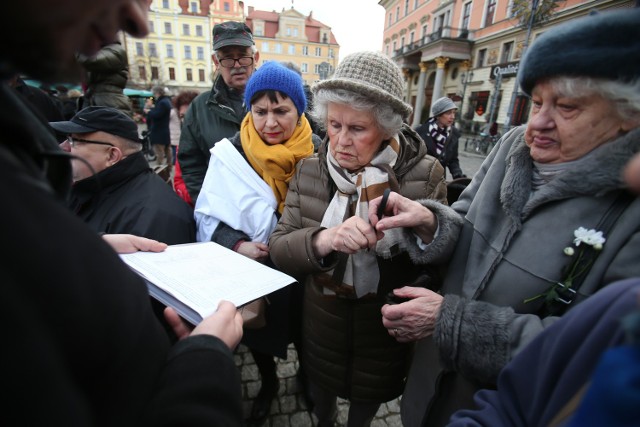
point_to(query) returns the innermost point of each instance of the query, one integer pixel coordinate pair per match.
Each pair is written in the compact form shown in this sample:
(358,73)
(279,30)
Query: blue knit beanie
(605,45)
(275,76)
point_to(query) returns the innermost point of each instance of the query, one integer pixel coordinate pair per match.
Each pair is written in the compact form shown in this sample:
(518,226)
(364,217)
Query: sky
(356,24)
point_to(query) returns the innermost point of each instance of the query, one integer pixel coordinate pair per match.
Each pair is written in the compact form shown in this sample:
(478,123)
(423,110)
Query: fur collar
(596,177)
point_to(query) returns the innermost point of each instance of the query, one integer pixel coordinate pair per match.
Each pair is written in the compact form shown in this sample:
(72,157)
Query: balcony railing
(444,33)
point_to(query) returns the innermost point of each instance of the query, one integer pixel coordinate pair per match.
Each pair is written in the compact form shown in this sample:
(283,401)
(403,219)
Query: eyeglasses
(72,141)
(244,61)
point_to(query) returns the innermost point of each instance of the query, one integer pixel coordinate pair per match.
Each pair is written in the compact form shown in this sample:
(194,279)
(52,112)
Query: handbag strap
(567,295)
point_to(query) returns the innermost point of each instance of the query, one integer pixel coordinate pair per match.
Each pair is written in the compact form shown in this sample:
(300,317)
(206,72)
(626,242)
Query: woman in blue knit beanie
(243,196)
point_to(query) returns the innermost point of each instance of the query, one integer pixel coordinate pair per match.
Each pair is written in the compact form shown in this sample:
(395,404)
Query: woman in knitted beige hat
(324,237)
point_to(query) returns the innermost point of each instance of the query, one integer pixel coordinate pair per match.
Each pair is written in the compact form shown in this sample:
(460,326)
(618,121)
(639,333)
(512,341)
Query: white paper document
(193,278)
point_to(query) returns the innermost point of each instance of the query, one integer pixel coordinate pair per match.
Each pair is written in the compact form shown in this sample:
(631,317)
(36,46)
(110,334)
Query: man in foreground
(83,346)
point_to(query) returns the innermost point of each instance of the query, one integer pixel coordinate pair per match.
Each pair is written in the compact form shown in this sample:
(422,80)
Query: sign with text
(508,69)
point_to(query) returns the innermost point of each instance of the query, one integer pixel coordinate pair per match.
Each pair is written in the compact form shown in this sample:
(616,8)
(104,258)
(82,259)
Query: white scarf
(356,190)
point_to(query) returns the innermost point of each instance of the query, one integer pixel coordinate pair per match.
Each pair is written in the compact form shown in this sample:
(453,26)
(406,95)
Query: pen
(383,203)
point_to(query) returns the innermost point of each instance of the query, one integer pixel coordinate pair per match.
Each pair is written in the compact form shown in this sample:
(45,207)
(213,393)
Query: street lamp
(466,78)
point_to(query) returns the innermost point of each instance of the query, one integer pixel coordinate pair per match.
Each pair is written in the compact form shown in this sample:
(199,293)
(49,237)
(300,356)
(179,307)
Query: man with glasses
(114,189)
(217,114)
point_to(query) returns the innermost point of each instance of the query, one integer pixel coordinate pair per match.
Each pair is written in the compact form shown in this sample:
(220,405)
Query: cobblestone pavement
(289,409)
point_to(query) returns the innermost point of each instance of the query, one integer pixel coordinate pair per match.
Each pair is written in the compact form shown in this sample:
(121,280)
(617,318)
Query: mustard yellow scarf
(276,163)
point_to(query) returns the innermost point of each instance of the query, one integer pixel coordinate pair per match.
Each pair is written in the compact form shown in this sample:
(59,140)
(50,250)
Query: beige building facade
(177,52)
(469,50)
(290,36)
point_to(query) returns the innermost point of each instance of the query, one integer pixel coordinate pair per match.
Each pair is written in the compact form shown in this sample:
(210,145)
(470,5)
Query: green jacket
(209,119)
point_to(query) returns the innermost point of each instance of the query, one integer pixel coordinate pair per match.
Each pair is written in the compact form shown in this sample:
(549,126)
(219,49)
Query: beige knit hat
(373,75)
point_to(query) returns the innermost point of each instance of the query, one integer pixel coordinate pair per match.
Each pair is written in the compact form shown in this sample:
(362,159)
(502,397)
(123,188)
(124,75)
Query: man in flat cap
(217,114)
(114,190)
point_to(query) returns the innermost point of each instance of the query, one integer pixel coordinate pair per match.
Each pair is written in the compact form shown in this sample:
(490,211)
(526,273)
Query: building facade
(469,50)
(290,36)
(177,52)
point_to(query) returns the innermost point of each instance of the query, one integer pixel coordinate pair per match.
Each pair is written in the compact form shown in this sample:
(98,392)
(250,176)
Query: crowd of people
(519,304)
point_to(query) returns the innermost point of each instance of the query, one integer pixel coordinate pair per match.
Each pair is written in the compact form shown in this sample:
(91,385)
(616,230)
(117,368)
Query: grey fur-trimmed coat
(346,349)
(511,249)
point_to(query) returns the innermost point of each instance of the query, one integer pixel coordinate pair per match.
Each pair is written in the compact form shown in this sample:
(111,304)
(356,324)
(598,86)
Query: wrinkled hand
(255,250)
(225,323)
(414,319)
(349,237)
(128,243)
(403,212)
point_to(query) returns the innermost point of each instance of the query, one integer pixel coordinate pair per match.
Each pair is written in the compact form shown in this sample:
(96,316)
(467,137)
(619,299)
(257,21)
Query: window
(194,7)
(172,73)
(154,73)
(142,72)
(265,47)
(151,27)
(482,53)
(295,32)
(169,51)
(466,15)
(199,30)
(288,32)
(227,7)
(397,13)
(318,51)
(167,27)
(401,41)
(332,54)
(189,75)
(187,52)
(390,18)
(165,4)
(200,52)
(305,50)
(201,74)
(506,52)
(416,3)
(406,7)
(292,49)
(316,68)
(425,28)
(278,48)
(185,30)
(304,67)
(411,36)
(491,9)
(152,50)
(325,38)
(139,49)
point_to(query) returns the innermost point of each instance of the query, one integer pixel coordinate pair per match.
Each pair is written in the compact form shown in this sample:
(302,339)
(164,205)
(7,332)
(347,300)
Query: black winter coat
(158,121)
(129,198)
(449,157)
(83,347)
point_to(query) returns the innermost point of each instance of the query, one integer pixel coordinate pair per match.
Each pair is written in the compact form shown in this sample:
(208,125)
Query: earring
(299,122)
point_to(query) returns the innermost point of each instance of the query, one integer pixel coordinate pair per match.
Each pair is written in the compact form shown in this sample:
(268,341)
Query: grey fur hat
(603,45)
(373,75)
(442,105)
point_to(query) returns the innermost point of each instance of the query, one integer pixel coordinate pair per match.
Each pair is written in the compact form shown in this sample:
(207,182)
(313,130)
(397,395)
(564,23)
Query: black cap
(104,119)
(231,33)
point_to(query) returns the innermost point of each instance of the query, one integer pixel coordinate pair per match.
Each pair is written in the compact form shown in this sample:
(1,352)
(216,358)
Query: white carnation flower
(588,237)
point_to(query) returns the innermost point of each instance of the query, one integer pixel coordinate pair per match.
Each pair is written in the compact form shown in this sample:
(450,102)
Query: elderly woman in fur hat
(547,219)
(325,239)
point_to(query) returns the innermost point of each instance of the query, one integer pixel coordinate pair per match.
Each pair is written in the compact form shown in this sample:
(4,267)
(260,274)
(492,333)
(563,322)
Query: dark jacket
(85,348)
(347,350)
(210,118)
(129,198)
(449,156)
(158,121)
(107,75)
(535,387)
